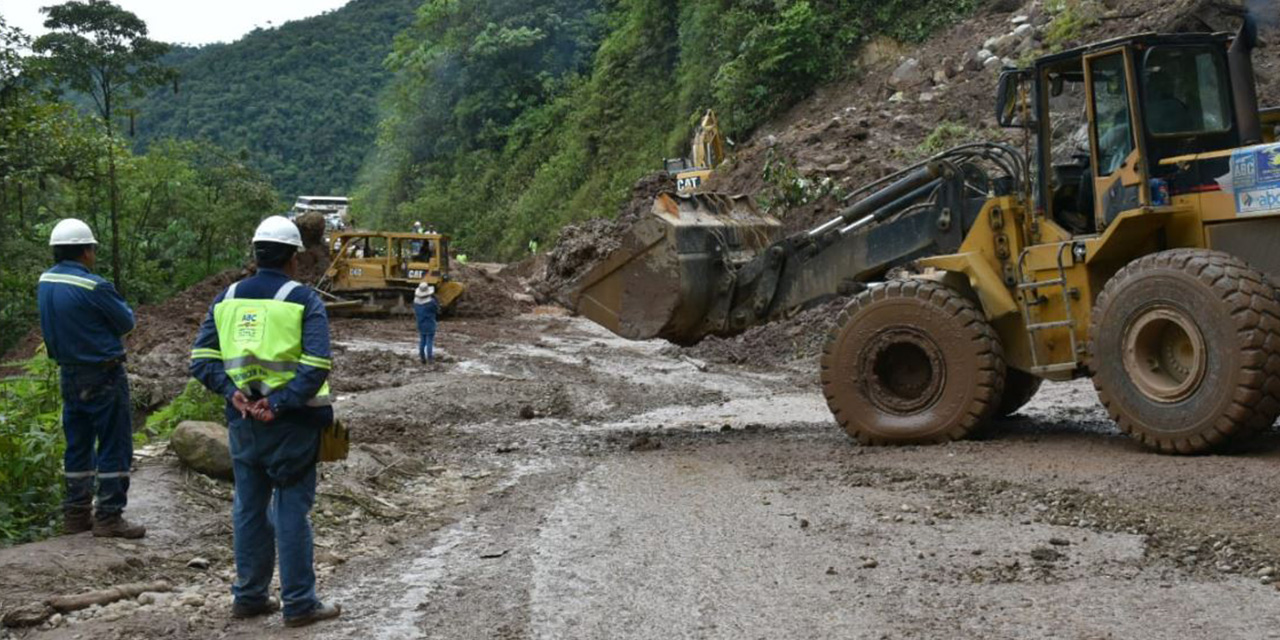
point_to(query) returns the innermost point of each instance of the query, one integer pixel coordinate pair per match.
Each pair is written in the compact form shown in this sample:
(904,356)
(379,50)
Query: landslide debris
(491,292)
(797,339)
(314,260)
(581,246)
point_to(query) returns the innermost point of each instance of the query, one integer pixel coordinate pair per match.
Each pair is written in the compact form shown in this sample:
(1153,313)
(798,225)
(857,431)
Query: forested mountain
(300,98)
(508,118)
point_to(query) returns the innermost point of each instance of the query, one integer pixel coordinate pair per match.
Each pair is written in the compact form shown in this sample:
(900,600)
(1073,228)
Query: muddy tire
(912,362)
(1185,350)
(1019,388)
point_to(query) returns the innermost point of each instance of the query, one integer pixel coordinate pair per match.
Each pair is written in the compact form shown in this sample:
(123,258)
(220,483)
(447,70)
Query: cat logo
(250,326)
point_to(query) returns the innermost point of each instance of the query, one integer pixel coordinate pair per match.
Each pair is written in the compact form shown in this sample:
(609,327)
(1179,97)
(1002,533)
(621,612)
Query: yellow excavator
(1132,240)
(707,153)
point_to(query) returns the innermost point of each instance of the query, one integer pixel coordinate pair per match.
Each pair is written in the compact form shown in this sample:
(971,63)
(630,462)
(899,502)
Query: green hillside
(300,98)
(507,119)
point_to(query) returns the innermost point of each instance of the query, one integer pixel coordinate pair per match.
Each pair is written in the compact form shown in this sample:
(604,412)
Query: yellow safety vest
(261,343)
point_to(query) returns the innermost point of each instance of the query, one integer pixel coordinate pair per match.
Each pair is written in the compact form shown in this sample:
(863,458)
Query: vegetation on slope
(301,99)
(508,119)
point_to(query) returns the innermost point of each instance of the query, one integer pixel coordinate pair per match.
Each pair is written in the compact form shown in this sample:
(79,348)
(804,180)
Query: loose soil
(502,492)
(546,479)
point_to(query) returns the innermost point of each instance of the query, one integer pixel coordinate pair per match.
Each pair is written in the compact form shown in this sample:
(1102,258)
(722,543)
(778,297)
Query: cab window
(1185,91)
(1112,122)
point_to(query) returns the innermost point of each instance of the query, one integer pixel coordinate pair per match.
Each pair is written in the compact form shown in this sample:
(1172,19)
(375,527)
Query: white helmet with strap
(278,229)
(71,232)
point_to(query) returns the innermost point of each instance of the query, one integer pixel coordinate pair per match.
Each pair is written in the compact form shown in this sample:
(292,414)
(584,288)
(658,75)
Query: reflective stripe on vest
(261,342)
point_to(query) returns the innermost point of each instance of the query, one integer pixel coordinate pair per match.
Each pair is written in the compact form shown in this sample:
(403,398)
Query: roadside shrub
(946,135)
(1072,18)
(194,403)
(31,447)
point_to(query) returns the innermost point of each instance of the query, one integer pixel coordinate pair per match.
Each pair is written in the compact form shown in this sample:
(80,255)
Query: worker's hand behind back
(241,403)
(261,411)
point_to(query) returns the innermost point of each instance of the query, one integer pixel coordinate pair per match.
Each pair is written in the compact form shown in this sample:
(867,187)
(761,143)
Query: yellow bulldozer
(376,272)
(1134,239)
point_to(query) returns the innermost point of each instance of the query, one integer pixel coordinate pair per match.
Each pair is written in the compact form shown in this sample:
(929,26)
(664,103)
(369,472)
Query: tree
(99,49)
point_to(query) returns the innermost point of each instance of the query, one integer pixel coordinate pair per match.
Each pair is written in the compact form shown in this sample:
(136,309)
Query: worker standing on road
(426,308)
(264,346)
(83,319)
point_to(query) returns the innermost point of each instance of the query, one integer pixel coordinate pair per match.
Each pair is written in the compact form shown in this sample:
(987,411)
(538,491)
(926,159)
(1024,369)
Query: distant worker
(426,307)
(83,319)
(264,346)
(417,227)
(533,246)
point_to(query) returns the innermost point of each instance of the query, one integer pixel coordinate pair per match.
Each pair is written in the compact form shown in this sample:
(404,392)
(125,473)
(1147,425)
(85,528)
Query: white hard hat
(278,229)
(71,231)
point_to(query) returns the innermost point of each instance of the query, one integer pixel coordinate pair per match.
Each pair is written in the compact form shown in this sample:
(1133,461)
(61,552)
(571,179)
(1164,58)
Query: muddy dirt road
(548,480)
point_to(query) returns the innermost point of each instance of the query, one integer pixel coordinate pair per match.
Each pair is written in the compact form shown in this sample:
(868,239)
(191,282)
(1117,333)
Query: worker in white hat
(264,346)
(84,319)
(426,307)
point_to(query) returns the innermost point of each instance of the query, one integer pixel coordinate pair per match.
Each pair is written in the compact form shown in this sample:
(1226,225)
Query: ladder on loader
(1029,288)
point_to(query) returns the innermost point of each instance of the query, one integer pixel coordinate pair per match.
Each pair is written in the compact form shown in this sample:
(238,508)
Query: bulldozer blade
(449,292)
(674,267)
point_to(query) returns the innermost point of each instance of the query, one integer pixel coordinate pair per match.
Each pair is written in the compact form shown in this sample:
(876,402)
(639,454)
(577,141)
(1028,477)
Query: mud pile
(795,339)
(314,260)
(582,246)
(490,294)
(175,320)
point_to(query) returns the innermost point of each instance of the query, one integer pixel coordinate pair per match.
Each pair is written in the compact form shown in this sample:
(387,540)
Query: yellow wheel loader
(376,273)
(1134,240)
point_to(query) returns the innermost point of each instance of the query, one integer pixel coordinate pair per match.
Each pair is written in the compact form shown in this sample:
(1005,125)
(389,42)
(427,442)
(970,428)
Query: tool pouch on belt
(335,442)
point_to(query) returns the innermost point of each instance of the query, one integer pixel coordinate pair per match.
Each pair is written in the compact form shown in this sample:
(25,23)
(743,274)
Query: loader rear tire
(1019,388)
(1185,350)
(912,362)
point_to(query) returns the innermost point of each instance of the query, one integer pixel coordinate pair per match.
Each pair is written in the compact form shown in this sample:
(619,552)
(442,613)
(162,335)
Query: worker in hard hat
(426,307)
(83,319)
(264,346)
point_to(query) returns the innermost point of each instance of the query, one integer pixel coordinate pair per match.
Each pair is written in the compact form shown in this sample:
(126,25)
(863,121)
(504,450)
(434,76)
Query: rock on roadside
(203,446)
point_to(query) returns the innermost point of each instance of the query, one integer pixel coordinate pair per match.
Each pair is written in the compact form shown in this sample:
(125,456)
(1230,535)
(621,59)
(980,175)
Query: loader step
(1058,367)
(1056,282)
(1040,326)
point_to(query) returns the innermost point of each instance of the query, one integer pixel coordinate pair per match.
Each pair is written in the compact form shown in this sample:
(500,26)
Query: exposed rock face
(204,447)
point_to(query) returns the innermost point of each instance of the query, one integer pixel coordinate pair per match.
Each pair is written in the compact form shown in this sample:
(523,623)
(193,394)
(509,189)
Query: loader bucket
(674,266)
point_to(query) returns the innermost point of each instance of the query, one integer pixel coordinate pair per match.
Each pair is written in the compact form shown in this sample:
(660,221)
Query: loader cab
(1102,118)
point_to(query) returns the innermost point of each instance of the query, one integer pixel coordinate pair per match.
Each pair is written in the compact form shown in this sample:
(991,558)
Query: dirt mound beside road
(795,339)
(490,294)
(580,247)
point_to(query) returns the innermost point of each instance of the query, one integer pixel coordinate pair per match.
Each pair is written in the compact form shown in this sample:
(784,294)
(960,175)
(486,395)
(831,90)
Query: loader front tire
(912,362)
(1185,350)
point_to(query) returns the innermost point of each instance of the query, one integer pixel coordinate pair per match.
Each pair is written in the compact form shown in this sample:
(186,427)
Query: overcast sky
(186,21)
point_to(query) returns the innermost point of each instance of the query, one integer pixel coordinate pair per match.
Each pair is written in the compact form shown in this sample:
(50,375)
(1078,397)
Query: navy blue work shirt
(82,316)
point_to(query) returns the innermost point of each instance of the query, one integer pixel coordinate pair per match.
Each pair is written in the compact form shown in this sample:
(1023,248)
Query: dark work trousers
(95,419)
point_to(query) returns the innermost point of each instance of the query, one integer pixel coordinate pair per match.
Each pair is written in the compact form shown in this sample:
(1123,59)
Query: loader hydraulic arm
(705,264)
(920,211)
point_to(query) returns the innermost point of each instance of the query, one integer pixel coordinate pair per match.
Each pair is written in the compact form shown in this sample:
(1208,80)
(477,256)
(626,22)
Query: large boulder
(311,226)
(907,75)
(204,447)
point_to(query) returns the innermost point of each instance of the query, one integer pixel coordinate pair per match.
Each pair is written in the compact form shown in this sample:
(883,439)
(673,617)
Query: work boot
(241,611)
(322,612)
(77,520)
(115,526)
